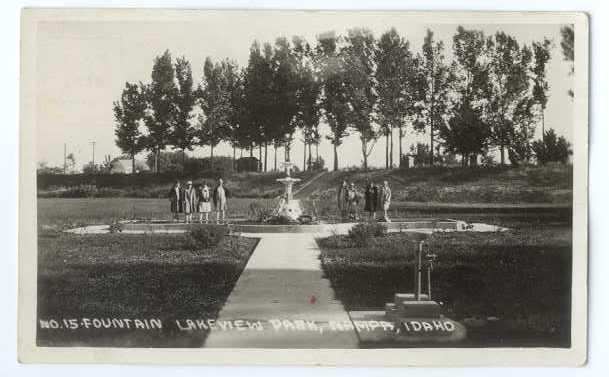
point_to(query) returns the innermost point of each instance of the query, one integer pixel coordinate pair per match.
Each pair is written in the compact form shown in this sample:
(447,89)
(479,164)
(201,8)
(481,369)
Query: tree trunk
(542,123)
(275,158)
(501,149)
(386,150)
(304,155)
(400,147)
(251,151)
(317,153)
(132,163)
(156,160)
(260,158)
(211,157)
(310,157)
(266,149)
(183,158)
(234,157)
(364,154)
(391,148)
(335,158)
(431,144)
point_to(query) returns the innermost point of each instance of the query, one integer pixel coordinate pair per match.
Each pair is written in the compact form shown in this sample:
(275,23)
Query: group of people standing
(190,200)
(376,198)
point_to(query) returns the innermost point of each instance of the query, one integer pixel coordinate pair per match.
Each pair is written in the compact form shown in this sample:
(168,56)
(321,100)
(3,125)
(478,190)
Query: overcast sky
(83,66)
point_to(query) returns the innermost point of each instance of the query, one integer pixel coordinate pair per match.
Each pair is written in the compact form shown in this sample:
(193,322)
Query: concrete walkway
(282,300)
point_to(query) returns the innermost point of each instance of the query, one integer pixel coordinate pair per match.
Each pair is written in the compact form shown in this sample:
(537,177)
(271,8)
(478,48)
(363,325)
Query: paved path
(283,288)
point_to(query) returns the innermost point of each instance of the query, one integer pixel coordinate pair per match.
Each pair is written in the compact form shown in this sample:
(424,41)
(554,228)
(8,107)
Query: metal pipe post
(418,272)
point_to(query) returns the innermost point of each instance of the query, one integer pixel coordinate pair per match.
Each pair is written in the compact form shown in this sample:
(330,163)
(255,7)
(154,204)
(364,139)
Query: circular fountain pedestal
(289,208)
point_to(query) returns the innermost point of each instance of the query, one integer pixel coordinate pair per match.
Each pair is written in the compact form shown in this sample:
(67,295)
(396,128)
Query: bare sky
(82,68)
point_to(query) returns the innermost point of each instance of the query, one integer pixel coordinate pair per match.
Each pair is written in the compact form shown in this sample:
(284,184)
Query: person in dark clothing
(370,200)
(176,198)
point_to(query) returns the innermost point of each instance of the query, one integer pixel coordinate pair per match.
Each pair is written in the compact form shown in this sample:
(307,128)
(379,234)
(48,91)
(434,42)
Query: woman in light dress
(385,195)
(352,198)
(341,202)
(204,194)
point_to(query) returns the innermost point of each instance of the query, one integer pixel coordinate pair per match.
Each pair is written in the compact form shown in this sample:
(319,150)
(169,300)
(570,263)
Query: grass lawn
(239,185)
(521,277)
(61,212)
(161,276)
(526,184)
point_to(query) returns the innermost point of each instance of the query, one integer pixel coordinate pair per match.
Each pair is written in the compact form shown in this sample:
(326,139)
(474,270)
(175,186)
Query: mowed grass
(525,184)
(521,277)
(59,212)
(239,185)
(128,276)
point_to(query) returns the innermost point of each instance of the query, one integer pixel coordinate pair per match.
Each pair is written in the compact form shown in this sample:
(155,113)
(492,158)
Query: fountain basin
(419,226)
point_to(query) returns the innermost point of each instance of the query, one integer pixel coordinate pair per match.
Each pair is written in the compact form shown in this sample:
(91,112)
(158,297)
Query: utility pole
(64,158)
(93,159)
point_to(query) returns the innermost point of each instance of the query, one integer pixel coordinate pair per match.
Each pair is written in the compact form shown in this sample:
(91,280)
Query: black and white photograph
(304,180)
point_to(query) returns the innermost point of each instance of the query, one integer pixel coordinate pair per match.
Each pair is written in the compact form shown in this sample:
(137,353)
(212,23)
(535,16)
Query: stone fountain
(289,208)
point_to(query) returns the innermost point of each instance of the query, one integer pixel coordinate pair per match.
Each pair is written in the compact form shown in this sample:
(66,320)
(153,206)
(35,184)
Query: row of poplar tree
(491,95)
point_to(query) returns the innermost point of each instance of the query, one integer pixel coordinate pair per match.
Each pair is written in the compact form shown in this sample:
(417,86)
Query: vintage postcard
(303,187)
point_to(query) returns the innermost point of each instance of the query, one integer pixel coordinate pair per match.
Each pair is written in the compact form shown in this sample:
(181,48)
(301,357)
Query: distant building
(124,165)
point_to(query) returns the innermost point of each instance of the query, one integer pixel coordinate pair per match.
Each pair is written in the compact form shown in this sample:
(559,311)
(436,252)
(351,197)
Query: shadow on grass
(133,277)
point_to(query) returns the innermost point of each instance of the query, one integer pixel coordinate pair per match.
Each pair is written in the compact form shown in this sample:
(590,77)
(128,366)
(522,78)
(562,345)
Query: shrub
(361,233)
(115,227)
(205,236)
(279,220)
(552,148)
(262,210)
(316,164)
(249,164)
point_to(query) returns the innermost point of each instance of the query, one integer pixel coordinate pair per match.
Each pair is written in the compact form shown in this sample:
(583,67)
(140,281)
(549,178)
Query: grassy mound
(526,184)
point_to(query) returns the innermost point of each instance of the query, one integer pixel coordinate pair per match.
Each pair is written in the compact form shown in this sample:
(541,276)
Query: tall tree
(334,102)
(541,56)
(183,132)
(284,89)
(436,80)
(524,122)
(307,96)
(508,89)
(216,105)
(466,132)
(128,114)
(259,97)
(160,115)
(358,53)
(395,85)
(567,45)
(234,81)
